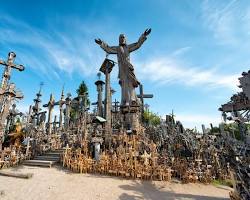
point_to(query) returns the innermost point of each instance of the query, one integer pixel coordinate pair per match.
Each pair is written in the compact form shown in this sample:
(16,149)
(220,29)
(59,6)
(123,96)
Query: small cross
(145,157)
(99,74)
(143,96)
(116,105)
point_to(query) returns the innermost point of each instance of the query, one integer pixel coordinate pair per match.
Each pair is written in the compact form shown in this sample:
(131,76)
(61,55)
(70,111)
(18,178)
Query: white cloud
(168,70)
(227,20)
(52,50)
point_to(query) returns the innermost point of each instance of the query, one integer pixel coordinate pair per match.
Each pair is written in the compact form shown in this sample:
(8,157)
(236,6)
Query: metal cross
(116,106)
(143,96)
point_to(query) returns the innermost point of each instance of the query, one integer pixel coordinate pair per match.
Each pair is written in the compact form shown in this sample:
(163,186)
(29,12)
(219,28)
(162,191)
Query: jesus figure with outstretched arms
(127,78)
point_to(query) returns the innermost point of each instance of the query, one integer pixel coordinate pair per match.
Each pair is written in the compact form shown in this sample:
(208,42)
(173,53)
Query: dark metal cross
(143,96)
(116,106)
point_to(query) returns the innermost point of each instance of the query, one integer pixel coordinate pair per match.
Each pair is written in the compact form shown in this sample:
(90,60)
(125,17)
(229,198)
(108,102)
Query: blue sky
(191,61)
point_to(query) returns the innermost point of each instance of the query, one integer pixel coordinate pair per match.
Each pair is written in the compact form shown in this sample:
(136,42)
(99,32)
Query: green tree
(83,90)
(233,128)
(151,118)
(215,130)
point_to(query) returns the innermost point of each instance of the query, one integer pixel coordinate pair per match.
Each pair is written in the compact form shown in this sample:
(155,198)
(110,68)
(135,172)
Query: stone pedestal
(131,117)
(97,141)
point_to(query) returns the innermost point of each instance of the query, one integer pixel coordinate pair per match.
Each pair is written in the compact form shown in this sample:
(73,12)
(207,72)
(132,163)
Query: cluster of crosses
(8,95)
(123,116)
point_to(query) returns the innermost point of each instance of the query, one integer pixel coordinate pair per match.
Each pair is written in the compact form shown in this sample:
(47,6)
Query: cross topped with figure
(128,80)
(126,75)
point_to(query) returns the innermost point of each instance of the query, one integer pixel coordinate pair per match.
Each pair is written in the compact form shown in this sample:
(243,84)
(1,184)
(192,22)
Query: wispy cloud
(172,70)
(227,20)
(52,51)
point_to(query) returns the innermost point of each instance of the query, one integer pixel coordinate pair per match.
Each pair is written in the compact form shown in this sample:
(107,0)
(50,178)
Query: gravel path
(57,183)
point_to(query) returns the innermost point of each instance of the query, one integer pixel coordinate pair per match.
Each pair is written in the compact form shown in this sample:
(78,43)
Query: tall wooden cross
(9,64)
(60,103)
(143,96)
(50,105)
(115,106)
(36,108)
(7,90)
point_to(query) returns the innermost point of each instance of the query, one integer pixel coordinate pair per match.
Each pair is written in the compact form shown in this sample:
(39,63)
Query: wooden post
(106,68)
(99,85)
(27,148)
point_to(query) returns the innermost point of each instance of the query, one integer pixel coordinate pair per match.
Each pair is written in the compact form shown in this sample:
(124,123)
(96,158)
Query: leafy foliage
(233,128)
(151,118)
(83,90)
(215,130)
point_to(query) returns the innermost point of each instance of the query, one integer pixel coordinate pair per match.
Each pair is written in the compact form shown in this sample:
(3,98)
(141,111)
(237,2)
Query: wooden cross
(50,105)
(143,96)
(36,108)
(145,157)
(11,117)
(115,106)
(7,90)
(60,103)
(9,64)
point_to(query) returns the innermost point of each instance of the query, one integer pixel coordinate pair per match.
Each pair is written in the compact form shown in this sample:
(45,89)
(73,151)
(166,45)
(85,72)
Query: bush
(151,118)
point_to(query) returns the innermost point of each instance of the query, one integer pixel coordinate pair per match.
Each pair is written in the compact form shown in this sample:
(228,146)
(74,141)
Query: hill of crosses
(123,138)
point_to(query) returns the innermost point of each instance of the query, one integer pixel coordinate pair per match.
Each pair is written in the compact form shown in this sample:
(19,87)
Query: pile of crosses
(187,156)
(238,150)
(11,136)
(57,133)
(12,156)
(240,159)
(128,156)
(192,157)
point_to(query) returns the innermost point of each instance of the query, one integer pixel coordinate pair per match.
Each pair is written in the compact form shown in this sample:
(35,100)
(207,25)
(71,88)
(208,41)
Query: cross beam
(143,96)
(115,106)
(9,64)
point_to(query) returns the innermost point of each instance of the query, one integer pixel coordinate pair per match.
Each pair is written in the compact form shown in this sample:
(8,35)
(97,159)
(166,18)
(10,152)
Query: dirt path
(59,184)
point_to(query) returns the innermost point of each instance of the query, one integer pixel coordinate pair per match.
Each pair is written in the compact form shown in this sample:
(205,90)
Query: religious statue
(127,78)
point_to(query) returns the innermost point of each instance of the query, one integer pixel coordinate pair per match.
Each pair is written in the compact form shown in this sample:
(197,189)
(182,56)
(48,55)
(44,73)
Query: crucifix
(7,97)
(126,75)
(11,117)
(50,106)
(35,110)
(54,124)
(9,64)
(67,111)
(61,102)
(143,96)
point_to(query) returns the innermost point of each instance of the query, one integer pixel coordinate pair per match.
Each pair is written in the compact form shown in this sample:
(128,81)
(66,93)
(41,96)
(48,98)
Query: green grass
(226,182)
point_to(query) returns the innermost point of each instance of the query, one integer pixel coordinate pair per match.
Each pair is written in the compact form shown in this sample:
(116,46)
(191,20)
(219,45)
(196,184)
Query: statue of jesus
(127,78)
